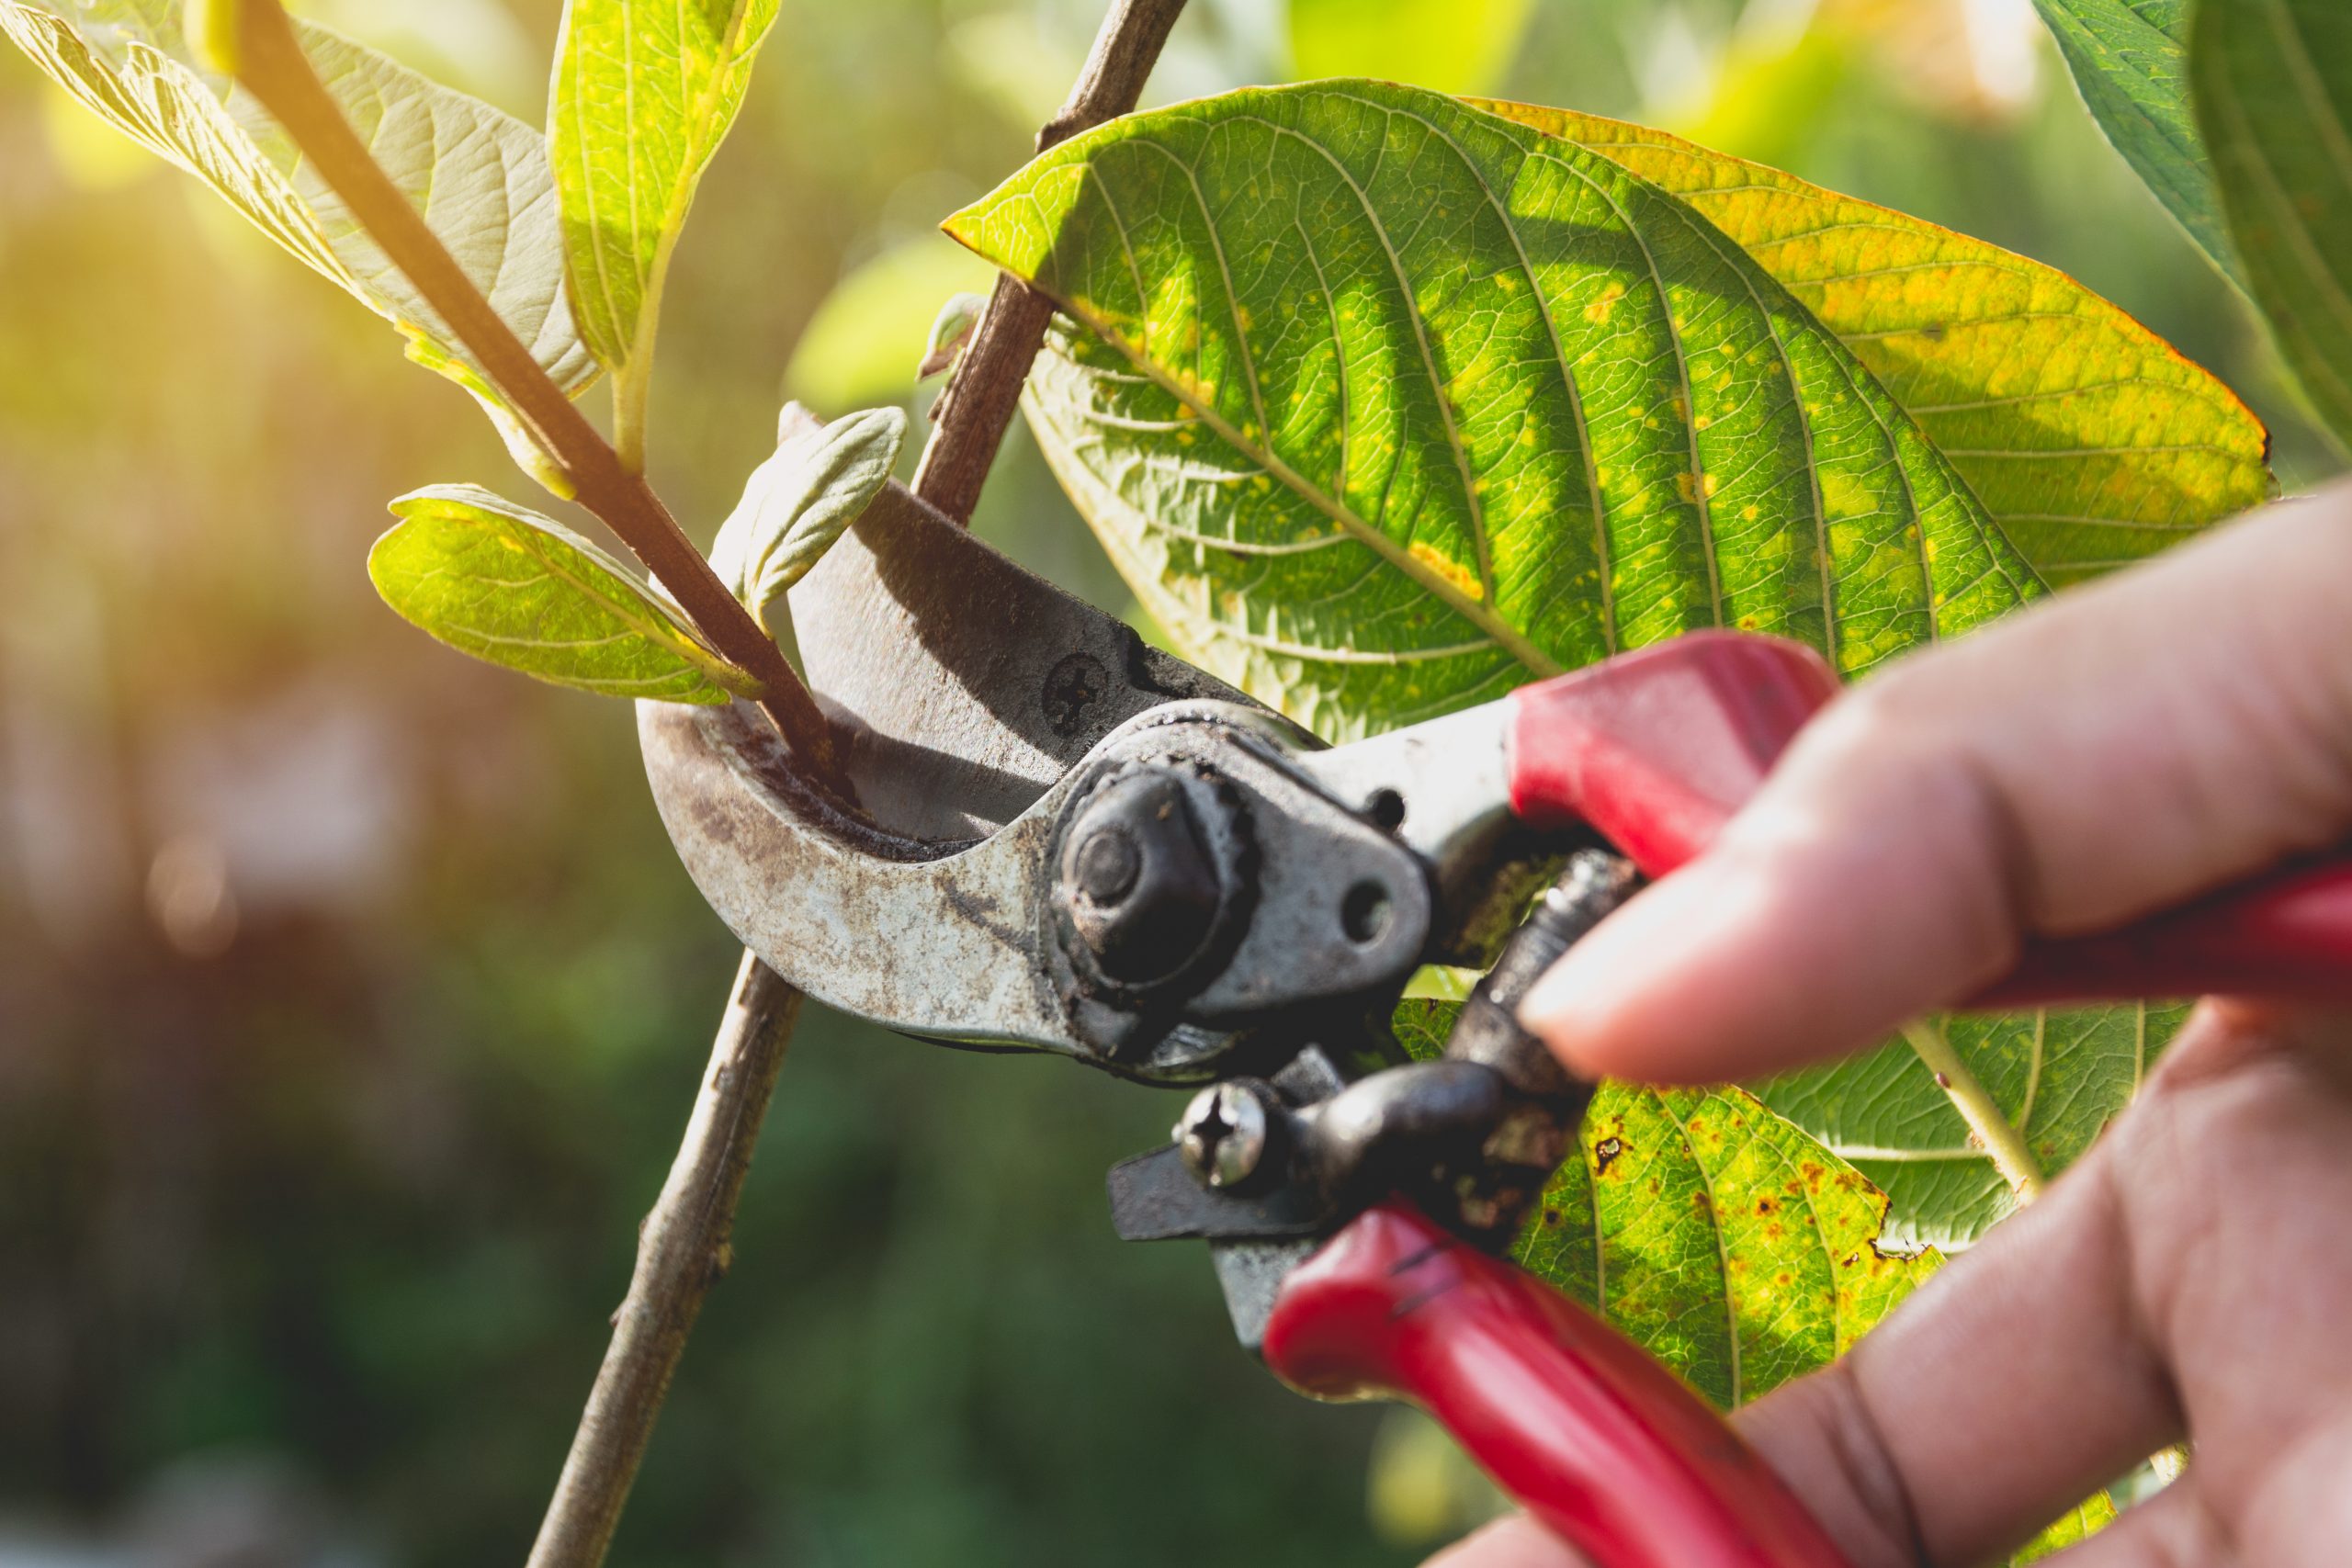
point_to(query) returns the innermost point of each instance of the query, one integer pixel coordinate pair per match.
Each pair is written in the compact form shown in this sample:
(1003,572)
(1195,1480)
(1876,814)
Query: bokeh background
(351,1002)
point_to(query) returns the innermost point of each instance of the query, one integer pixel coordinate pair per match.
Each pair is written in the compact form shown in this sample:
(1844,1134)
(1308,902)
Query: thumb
(2101,757)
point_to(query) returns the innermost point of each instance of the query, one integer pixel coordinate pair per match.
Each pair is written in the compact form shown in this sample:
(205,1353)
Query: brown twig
(271,64)
(971,416)
(683,1247)
(682,1251)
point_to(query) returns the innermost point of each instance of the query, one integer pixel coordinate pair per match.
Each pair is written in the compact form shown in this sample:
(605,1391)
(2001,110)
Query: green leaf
(2091,440)
(2129,59)
(800,500)
(1398,404)
(2057,1078)
(1720,1238)
(1295,587)
(509,586)
(643,94)
(1454,46)
(481,178)
(2274,94)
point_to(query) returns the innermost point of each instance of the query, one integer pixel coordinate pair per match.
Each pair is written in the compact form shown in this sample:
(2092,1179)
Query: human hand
(2172,729)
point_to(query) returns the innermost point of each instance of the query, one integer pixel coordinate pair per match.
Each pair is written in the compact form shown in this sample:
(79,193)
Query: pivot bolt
(1223,1134)
(1108,864)
(1140,886)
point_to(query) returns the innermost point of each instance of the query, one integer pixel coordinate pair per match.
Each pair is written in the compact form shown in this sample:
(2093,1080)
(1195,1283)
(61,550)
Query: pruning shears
(1070,841)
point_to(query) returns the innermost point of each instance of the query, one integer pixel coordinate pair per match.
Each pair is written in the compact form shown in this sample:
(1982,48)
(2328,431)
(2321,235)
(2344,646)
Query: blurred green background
(351,1002)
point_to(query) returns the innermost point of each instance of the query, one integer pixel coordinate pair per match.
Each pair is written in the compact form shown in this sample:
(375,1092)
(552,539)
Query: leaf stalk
(2004,1140)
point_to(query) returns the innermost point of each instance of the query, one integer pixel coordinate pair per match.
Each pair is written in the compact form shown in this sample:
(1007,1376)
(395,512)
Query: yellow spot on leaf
(1844,495)
(1459,577)
(1598,312)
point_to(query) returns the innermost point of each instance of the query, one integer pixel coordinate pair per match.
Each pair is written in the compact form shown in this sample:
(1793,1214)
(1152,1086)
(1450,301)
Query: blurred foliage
(351,1002)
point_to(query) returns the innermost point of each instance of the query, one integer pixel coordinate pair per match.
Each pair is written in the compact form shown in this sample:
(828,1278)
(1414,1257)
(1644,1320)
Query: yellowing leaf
(506,585)
(2091,440)
(1720,1238)
(1396,402)
(479,177)
(643,94)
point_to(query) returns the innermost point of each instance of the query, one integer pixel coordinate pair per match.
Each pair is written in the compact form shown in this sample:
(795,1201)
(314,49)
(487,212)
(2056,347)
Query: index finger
(2108,755)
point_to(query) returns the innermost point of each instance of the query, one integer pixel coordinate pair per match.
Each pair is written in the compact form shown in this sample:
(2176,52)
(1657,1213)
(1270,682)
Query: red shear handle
(1607,1448)
(1657,748)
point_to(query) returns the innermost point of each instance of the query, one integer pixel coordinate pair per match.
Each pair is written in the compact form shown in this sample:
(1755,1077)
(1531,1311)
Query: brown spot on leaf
(1604,1155)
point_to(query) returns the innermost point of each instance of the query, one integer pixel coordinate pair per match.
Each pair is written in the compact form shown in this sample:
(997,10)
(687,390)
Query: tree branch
(682,1251)
(271,64)
(970,418)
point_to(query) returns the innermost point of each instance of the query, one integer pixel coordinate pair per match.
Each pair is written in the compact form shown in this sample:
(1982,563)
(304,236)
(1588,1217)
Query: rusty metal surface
(962,690)
(961,685)
(974,707)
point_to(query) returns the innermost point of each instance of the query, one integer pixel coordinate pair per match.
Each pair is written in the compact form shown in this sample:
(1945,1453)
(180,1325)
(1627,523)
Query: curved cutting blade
(962,689)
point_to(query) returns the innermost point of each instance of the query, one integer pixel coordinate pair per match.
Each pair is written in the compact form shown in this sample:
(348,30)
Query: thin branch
(682,1251)
(271,64)
(970,418)
(2002,1138)
(683,1247)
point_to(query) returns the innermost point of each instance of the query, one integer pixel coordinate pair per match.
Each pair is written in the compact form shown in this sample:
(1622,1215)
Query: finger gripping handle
(1602,1444)
(1657,748)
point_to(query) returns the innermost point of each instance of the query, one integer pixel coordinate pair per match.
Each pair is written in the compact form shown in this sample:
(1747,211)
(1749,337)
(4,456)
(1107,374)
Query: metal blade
(964,685)
(962,689)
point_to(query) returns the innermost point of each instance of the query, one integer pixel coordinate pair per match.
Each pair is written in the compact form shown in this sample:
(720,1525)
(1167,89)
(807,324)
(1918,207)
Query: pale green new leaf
(1718,1237)
(2058,1077)
(950,331)
(2130,58)
(799,502)
(642,96)
(481,178)
(1396,403)
(2274,93)
(509,586)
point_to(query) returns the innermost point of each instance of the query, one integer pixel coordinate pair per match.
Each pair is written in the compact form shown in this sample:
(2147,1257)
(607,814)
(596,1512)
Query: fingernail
(1588,1008)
